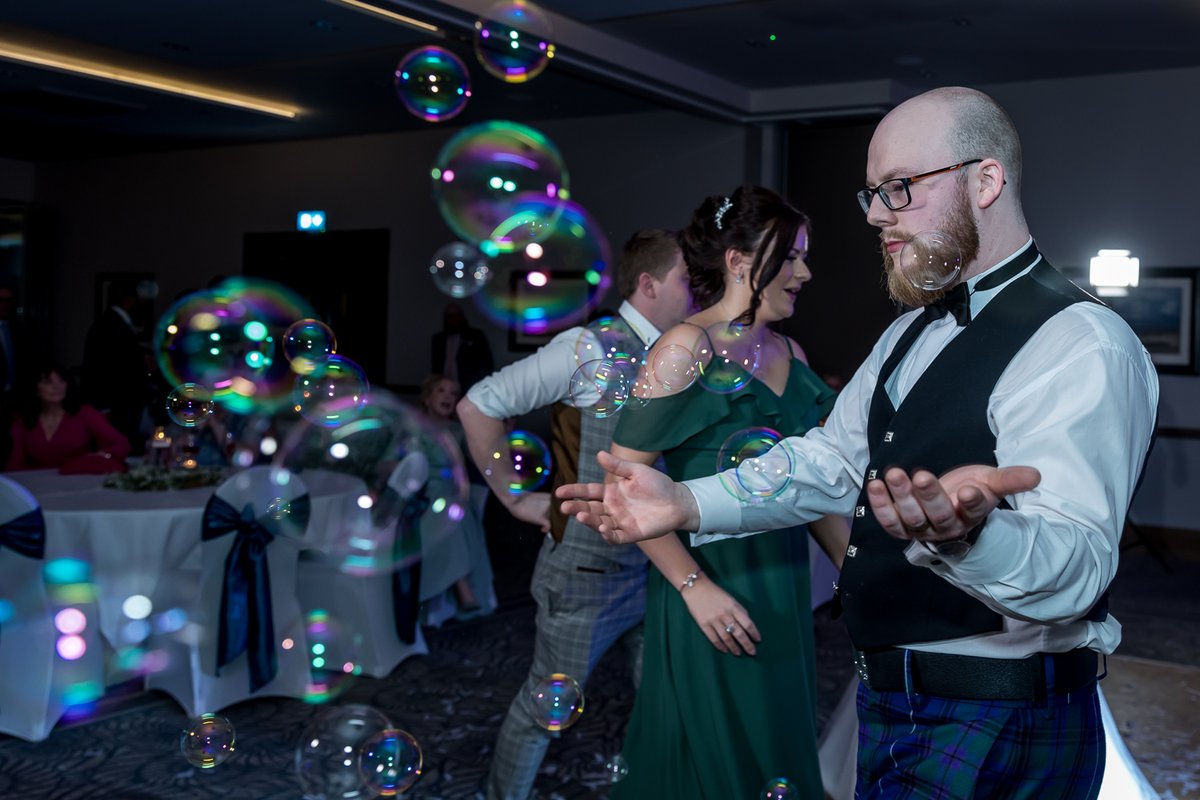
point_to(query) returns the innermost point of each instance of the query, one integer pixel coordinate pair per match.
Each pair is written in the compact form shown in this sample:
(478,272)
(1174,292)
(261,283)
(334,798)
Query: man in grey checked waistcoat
(589,594)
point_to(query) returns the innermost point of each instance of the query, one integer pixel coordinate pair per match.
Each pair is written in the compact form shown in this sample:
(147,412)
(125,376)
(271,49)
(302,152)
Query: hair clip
(726,204)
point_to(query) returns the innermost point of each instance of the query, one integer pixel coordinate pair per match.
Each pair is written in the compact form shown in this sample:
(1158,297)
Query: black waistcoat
(941,424)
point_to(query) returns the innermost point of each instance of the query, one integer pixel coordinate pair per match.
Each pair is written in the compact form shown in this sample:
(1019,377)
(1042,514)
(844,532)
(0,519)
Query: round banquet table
(130,539)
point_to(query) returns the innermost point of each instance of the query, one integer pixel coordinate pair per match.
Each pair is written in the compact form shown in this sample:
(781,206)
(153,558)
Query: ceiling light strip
(43,58)
(392,15)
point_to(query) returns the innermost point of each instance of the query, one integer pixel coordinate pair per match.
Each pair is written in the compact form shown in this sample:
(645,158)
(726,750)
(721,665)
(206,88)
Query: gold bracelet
(690,580)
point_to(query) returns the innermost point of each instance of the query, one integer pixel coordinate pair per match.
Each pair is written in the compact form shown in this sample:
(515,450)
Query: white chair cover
(191,675)
(37,686)
(356,591)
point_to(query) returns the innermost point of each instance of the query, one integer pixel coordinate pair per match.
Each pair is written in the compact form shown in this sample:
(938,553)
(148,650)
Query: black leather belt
(975,678)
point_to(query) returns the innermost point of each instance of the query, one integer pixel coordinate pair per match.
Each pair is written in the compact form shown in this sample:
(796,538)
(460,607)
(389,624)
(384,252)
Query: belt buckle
(860,664)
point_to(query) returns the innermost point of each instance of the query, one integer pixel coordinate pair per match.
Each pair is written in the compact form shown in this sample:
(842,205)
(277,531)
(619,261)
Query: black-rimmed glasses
(895,194)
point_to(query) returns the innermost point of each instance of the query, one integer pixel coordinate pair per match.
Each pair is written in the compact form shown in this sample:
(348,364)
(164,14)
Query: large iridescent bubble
(512,41)
(400,456)
(228,341)
(479,175)
(433,83)
(548,284)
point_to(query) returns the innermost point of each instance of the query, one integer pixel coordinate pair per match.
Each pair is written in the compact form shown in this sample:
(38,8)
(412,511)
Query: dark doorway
(344,277)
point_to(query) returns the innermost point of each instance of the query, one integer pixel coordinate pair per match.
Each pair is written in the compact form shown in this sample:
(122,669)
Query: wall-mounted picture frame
(538,312)
(1161,309)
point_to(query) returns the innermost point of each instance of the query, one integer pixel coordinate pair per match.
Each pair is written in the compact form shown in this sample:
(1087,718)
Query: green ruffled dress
(708,725)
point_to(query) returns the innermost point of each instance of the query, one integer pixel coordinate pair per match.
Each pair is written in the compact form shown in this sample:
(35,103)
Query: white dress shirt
(1078,402)
(545,377)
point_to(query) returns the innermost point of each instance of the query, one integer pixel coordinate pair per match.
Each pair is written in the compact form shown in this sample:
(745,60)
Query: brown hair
(651,251)
(752,220)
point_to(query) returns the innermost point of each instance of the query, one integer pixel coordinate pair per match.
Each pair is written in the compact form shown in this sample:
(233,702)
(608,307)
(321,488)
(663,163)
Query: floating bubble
(279,508)
(481,172)
(599,388)
(761,469)
(327,756)
(189,405)
(432,83)
(529,464)
(208,740)
(674,367)
(390,762)
(546,285)
(931,260)
(512,41)
(332,395)
(728,357)
(395,452)
(779,789)
(308,344)
(226,340)
(334,656)
(613,339)
(557,702)
(459,270)
(616,767)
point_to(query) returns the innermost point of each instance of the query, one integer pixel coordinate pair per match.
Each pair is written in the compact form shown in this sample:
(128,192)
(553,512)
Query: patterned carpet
(452,701)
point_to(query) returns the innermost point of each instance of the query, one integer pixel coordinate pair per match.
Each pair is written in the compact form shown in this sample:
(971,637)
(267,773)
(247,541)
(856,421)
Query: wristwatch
(956,548)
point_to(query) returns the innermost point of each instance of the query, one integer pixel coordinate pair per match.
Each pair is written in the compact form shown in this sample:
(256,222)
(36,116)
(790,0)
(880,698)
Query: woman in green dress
(728,692)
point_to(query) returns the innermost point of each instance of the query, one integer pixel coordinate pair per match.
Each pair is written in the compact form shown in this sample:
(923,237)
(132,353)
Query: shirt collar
(641,326)
(982,297)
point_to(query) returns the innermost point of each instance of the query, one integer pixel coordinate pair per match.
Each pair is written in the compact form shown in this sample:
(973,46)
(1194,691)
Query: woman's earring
(737,278)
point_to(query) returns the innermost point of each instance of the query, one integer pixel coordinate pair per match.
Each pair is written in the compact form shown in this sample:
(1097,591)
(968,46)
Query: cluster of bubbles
(511,41)
(433,83)
(931,260)
(355,751)
(761,463)
(557,702)
(610,357)
(207,741)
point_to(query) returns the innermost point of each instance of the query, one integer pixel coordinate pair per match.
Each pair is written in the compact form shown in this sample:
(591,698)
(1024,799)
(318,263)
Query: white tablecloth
(132,538)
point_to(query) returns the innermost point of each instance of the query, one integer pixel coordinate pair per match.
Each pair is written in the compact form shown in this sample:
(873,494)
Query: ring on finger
(729,628)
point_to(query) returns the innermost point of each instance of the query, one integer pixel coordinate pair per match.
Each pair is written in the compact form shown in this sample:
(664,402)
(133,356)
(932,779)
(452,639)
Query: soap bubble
(931,260)
(761,468)
(459,270)
(390,762)
(189,405)
(208,740)
(512,41)
(557,702)
(327,756)
(432,83)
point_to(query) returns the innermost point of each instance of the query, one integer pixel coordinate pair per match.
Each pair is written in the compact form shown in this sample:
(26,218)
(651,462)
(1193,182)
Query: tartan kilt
(941,748)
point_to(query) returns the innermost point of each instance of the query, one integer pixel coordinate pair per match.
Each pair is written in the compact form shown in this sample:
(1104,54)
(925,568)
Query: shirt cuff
(718,511)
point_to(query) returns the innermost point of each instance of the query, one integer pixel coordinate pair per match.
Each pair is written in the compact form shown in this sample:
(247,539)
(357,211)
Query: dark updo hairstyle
(31,405)
(756,221)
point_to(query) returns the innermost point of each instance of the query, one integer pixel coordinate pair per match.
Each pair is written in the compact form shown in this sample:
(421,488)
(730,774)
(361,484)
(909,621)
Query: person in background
(589,595)
(56,431)
(455,565)
(115,372)
(460,351)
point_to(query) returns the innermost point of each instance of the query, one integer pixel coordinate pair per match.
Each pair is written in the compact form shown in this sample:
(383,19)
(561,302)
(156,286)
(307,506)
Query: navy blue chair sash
(25,534)
(246,622)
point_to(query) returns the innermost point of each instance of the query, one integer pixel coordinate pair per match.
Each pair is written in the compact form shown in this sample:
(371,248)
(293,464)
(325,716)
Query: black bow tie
(957,301)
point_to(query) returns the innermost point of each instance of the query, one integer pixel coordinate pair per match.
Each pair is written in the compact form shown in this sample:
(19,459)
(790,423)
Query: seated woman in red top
(54,431)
